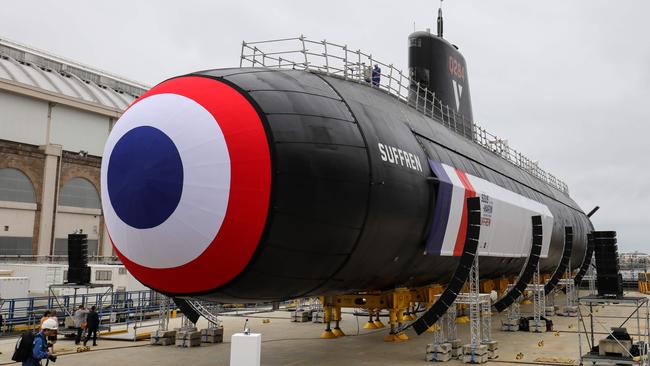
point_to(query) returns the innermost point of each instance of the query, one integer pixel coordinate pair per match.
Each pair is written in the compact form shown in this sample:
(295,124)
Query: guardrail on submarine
(340,61)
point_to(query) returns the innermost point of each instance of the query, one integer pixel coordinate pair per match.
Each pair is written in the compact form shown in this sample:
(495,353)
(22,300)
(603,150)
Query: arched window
(79,192)
(15,186)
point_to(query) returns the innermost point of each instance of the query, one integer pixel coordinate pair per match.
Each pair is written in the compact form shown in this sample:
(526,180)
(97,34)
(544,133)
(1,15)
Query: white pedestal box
(245,349)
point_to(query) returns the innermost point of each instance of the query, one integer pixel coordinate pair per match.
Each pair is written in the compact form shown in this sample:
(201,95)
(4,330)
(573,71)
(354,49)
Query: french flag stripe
(455,211)
(469,192)
(441,210)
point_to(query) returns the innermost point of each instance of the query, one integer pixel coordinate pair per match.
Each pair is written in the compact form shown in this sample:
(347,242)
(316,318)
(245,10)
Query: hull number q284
(399,157)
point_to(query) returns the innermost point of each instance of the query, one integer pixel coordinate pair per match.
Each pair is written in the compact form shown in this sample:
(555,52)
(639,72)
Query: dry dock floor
(293,344)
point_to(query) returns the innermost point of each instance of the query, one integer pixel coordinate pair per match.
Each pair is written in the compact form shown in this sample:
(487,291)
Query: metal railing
(301,53)
(125,307)
(55,259)
(209,310)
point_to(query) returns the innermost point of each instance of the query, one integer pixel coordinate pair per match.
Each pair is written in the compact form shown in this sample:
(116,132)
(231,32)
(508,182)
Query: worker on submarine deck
(376,75)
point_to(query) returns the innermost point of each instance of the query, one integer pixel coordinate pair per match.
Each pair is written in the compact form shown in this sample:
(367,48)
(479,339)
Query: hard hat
(51,324)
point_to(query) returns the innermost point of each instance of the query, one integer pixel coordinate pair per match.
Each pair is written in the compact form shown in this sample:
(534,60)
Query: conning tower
(440,68)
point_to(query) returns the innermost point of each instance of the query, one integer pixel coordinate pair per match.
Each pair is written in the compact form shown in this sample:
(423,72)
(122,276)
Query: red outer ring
(250,189)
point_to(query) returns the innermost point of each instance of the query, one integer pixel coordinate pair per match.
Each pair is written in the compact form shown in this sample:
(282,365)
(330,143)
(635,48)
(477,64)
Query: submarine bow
(186,185)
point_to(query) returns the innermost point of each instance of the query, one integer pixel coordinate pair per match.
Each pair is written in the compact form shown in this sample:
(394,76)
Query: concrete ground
(286,343)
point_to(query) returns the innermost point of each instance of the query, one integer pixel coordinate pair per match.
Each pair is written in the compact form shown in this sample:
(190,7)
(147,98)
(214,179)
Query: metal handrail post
(370,66)
(345,62)
(361,72)
(399,86)
(241,57)
(304,50)
(426,100)
(327,64)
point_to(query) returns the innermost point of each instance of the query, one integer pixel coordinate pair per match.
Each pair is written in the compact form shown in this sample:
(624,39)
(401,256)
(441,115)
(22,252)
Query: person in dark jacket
(40,349)
(92,320)
(376,75)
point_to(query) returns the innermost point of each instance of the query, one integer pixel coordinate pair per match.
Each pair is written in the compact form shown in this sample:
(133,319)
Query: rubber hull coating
(341,218)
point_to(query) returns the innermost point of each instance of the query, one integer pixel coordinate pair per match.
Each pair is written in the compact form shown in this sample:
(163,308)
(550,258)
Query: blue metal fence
(121,306)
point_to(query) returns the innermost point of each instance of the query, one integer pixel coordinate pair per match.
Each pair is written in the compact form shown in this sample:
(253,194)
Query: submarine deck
(286,343)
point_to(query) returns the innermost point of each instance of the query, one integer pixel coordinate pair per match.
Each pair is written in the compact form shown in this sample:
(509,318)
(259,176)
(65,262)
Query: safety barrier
(114,307)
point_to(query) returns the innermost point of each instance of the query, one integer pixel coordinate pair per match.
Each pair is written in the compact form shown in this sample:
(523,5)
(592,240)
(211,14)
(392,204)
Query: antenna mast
(440,20)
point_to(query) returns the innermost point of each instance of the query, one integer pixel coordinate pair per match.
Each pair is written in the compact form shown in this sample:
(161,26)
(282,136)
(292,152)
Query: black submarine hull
(340,218)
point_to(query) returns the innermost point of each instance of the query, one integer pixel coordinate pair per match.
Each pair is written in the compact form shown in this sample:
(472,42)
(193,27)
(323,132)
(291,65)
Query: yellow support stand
(393,315)
(401,336)
(337,318)
(411,314)
(400,303)
(327,333)
(378,323)
(392,338)
(370,324)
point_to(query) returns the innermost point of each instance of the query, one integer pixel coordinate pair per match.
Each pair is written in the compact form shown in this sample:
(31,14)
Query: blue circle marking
(145,177)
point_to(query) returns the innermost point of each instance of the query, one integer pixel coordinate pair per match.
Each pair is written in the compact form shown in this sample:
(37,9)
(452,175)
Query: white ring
(190,229)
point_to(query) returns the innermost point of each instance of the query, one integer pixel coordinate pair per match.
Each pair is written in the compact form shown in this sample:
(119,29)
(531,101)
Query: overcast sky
(565,82)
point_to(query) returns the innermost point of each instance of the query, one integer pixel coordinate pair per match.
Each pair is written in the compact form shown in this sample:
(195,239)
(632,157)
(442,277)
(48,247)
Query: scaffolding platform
(626,352)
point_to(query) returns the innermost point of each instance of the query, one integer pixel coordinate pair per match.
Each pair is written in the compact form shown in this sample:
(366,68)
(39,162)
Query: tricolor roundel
(186,181)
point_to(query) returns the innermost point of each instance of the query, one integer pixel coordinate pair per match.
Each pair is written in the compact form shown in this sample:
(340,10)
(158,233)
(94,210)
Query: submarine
(259,184)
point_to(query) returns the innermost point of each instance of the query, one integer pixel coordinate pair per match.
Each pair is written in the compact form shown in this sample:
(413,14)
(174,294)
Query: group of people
(42,347)
(88,321)
(373,75)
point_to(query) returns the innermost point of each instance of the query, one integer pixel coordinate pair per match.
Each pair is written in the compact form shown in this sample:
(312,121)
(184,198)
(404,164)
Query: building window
(79,192)
(11,245)
(102,275)
(122,271)
(15,186)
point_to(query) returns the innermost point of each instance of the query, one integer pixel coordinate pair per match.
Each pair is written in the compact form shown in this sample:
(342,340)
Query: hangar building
(55,116)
